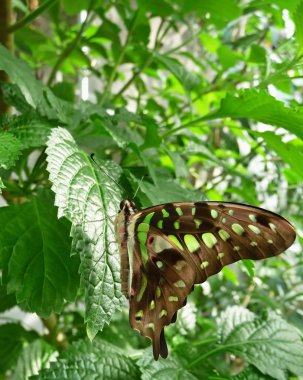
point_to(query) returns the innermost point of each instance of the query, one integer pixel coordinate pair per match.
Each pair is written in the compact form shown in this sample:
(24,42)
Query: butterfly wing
(176,245)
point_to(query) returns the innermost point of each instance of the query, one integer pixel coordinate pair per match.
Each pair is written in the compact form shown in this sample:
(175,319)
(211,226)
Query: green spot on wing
(175,240)
(237,228)
(224,235)
(214,214)
(143,288)
(148,217)
(209,239)
(143,227)
(179,211)
(177,224)
(191,243)
(160,224)
(165,213)
(254,229)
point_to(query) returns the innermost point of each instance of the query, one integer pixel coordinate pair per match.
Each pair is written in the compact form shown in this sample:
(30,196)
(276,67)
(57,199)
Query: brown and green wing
(177,245)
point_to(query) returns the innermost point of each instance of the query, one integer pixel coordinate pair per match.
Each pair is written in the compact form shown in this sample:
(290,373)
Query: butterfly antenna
(103,171)
(138,187)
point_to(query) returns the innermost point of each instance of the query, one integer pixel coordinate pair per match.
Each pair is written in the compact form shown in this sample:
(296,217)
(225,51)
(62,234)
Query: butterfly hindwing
(174,246)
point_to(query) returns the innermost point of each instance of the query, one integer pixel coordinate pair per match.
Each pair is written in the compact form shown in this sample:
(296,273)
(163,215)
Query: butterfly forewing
(173,246)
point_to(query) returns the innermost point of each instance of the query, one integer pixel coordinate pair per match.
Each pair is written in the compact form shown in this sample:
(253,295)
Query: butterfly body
(168,248)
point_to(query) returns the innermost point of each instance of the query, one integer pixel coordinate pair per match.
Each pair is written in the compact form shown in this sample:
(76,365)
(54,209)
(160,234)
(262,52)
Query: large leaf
(271,345)
(260,106)
(83,360)
(86,196)
(35,255)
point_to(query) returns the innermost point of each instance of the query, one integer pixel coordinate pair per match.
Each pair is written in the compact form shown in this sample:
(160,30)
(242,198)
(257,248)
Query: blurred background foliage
(203,96)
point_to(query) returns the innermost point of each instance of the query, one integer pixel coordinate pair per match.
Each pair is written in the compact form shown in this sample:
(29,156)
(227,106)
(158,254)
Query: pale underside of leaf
(89,207)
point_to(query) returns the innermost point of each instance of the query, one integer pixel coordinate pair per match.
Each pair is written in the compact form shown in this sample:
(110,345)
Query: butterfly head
(128,207)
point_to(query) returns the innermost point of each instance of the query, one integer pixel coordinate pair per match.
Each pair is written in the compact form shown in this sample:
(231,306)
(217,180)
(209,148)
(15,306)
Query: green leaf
(12,338)
(230,275)
(270,344)
(82,360)
(86,196)
(298,20)
(33,357)
(257,54)
(36,94)
(10,150)
(250,267)
(188,80)
(72,7)
(173,192)
(260,106)
(35,254)
(7,301)
(291,152)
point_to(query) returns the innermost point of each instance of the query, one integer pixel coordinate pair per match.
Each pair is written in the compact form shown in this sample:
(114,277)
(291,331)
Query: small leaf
(187,79)
(86,196)
(250,267)
(272,345)
(230,275)
(10,149)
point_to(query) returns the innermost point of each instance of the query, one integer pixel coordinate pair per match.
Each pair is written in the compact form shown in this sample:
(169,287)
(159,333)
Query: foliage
(203,99)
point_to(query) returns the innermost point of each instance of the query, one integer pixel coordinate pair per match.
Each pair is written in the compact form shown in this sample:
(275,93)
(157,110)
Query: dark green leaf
(12,338)
(35,252)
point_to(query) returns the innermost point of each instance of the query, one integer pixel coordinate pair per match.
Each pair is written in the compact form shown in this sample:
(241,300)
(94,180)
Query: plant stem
(119,60)
(147,61)
(26,20)
(6,39)
(70,47)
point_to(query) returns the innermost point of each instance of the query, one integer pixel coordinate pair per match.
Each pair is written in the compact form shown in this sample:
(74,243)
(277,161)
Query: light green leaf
(260,106)
(10,150)
(290,152)
(188,80)
(35,253)
(86,196)
(270,344)
(249,266)
(34,356)
(83,360)
(230,275)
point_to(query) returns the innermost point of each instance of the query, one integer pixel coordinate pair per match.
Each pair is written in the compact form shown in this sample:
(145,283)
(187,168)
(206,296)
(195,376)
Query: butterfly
(166,249)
